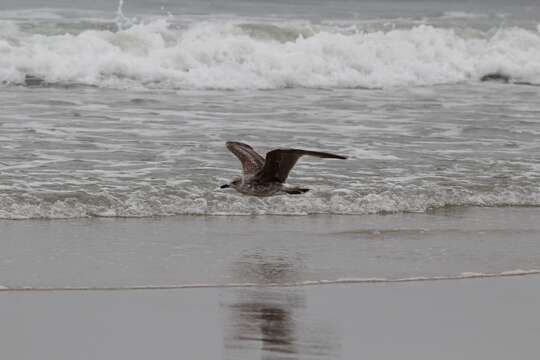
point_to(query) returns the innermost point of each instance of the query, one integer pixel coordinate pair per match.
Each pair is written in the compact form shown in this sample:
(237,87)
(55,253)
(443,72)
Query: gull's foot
(296,191)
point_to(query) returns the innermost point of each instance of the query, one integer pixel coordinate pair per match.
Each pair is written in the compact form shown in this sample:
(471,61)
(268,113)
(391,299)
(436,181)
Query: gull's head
(235,183)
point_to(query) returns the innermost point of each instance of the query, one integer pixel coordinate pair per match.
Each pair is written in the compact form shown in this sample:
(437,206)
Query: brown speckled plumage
(266,177)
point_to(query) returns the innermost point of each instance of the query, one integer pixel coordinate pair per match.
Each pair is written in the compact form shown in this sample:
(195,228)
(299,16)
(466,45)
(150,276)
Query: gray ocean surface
(121,110)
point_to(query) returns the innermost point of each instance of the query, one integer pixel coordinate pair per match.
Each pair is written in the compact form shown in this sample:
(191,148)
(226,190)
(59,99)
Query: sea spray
(122,22)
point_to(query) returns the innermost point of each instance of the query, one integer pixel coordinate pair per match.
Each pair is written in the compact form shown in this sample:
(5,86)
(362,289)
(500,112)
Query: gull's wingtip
(327,155)
(228,144)
(232,144)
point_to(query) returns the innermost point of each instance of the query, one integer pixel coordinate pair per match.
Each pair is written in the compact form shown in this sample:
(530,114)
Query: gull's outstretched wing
(251,161)
(279,163)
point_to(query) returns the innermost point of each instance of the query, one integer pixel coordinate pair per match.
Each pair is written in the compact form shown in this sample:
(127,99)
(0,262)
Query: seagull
(266,177)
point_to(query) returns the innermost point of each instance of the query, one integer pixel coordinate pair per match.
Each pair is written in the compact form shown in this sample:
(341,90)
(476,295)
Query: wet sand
(458,319)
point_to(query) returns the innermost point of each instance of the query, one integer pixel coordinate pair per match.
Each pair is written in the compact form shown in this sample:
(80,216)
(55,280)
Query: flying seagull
(265,177)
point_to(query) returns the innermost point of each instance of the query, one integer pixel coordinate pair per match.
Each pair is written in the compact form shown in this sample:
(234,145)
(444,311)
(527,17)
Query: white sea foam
(168,202)
(462,276)
(232,55)
(464,15)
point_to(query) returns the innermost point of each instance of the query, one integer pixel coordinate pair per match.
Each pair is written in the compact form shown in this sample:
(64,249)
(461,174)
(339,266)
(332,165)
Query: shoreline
(309,283)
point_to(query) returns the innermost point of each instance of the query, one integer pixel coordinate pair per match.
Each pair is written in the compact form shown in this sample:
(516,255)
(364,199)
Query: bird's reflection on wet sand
(262,321)
(271,322)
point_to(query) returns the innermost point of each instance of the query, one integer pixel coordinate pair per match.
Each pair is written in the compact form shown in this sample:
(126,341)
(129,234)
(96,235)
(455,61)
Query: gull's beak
(225,186)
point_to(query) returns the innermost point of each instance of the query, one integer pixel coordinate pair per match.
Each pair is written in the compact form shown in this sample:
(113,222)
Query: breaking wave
(238,55)
(168,202)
